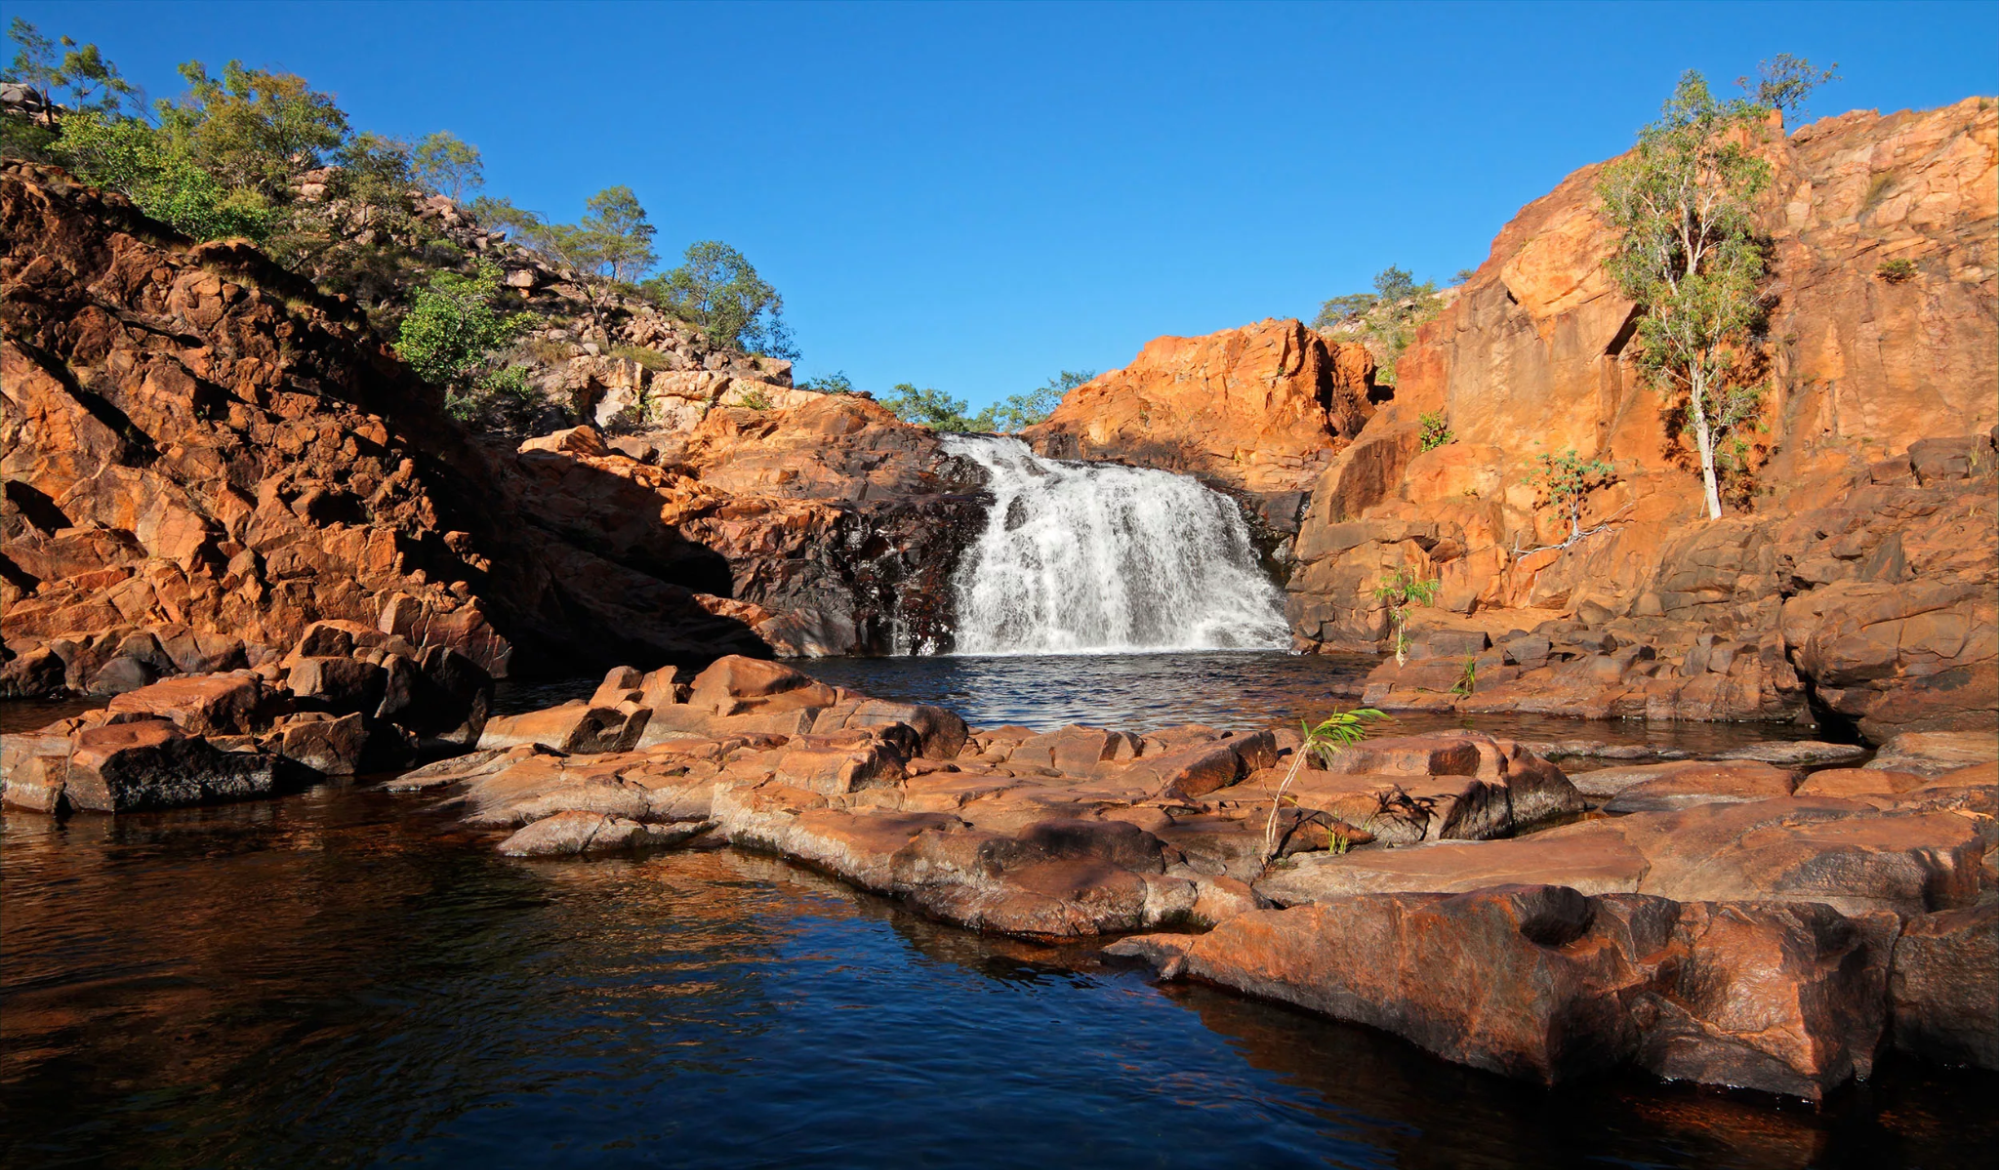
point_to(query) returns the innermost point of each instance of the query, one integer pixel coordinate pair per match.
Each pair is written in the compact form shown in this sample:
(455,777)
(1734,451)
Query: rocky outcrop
(1859,557)
(205,456)
(1742,935)
(1857,577)
(1260,409)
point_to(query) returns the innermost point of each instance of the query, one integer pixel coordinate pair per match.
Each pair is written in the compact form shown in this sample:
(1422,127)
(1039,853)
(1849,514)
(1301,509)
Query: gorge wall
(204,455)
(1857,572)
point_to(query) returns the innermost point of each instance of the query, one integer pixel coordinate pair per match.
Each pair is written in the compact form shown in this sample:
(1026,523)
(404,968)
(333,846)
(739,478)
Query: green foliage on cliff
(448,339)
(929,407)
(718,289)
(932,408)
(1385,321)
(1690,255)
(1566,480)
(79,78)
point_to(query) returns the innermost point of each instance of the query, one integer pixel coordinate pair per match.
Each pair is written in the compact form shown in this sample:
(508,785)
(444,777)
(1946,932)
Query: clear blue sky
(976,196)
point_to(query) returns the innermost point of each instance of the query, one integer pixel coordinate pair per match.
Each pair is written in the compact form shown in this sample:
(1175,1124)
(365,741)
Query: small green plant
(1326,740)
(754,399)
(1436,430)
(1896,271)
(1467,681)
(1565,480)
(1399,591)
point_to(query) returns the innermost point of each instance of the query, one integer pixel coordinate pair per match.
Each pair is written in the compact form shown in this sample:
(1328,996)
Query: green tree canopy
(929,407)
(446,164)
(718,289)
(253,128)
(612,240)
(1385,320)
(1689,253)
(1017,411)
(79,79)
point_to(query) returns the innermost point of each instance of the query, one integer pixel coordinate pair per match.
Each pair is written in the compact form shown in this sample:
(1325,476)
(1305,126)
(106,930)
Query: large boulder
(1546,984)
(1945,986)
(1843,853)
(151,764)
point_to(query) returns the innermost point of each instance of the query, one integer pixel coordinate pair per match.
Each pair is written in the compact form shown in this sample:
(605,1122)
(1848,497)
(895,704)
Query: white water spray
(1086,557)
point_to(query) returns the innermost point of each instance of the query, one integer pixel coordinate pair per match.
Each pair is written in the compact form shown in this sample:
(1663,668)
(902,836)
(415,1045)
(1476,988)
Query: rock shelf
(1745,924)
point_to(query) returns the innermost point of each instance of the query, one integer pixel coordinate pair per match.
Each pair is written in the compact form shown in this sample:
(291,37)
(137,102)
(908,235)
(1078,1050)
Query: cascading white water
(1083,557)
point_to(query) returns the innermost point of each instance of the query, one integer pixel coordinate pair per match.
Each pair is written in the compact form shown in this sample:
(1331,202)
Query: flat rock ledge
(1739,922)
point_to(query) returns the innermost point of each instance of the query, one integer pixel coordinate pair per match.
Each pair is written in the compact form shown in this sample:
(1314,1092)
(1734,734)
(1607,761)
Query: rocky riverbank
(1741,922)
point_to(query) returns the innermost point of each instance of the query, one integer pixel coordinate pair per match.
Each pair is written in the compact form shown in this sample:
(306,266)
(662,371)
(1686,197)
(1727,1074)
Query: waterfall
(1080,557)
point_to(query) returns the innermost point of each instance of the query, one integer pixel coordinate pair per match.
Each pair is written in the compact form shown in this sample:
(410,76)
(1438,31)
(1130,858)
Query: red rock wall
(204,455)
(1530,358)
(1261,408)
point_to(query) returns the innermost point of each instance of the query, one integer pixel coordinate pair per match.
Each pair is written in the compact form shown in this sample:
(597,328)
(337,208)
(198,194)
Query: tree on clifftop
(448,165)
(719,290)
(1690,255)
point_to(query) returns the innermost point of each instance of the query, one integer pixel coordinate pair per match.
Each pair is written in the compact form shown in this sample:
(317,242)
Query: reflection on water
(1229,689)
(345,977)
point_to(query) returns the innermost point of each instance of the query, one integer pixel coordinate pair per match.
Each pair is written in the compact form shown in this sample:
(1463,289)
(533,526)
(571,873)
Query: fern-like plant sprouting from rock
(1327,739)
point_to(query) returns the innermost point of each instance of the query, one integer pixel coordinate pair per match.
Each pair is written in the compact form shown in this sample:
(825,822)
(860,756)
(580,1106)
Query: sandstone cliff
(1262,408)
(1858,569)
(204,455)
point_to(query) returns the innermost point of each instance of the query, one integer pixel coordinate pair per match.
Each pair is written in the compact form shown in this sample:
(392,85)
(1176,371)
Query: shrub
(1326,740)
(1565,480)
(1436,431)
(1385,321)
(452,327)
(834,383)
(1399,591)
(1896,271)
(645,356)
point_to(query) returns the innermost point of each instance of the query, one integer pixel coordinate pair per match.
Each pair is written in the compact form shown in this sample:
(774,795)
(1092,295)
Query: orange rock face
(1851,556)
(204,457)
(1261,408)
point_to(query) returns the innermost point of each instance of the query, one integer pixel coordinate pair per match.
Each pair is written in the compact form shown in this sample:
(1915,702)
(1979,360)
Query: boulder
(1417,788)
(1945,986)
(1685,783)
(1845,854)
(337,684)
(583,832)
(330,745)
(569,728)
(1546,984)
(34,771)
(1935,753)
(226,704)
(151,764)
